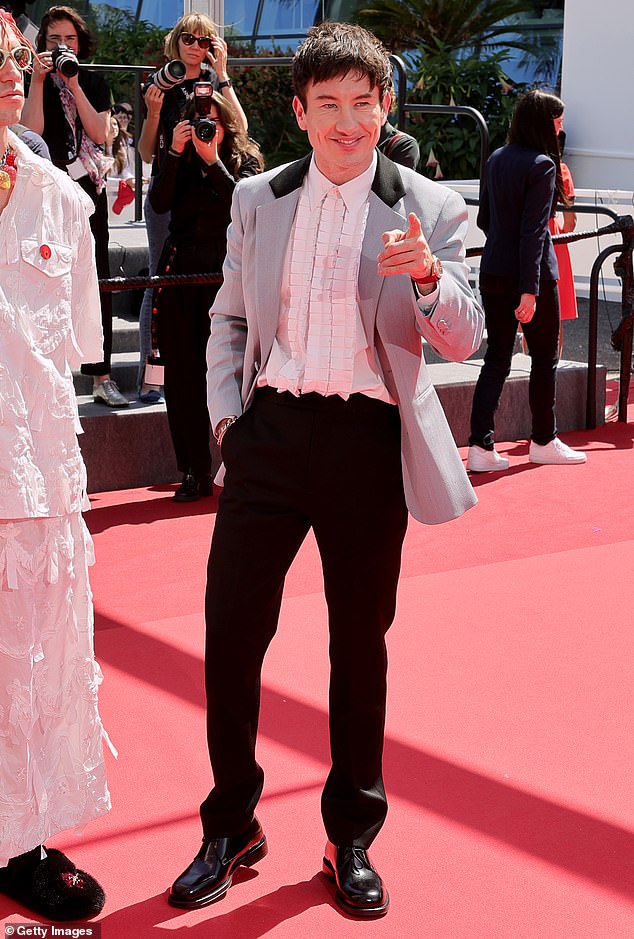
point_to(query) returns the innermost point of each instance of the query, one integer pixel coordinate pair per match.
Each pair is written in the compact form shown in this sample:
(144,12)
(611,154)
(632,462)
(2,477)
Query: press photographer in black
(70,107)
(194,43)
(208,153)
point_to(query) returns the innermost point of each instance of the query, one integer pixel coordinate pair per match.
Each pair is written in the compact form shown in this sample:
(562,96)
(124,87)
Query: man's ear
(300,114)
(385,106)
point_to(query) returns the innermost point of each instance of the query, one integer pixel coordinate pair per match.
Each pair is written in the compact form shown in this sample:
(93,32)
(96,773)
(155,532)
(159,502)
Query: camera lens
(65,61)
(205,129)
(171,74)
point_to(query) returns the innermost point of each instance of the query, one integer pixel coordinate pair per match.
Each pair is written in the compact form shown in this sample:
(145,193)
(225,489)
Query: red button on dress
(45,251)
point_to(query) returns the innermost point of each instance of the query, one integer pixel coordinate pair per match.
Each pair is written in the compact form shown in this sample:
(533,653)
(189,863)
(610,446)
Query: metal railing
(623,268)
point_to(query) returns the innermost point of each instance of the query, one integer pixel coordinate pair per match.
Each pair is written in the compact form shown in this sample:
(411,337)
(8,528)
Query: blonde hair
(190,23)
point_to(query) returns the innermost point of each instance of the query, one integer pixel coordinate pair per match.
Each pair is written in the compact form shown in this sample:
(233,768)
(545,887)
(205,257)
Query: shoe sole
(538,462)
(106,405)
(247,859)
(358,912)
(487,469)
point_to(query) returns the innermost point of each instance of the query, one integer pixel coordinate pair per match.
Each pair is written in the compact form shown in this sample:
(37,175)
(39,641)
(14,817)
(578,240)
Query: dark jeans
(99,228)
(542,337)
(292,464)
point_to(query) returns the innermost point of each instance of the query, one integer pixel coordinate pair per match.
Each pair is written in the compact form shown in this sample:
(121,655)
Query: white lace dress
(52,775)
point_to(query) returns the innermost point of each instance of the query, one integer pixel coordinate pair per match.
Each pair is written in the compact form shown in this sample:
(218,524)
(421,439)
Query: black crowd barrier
(622,335)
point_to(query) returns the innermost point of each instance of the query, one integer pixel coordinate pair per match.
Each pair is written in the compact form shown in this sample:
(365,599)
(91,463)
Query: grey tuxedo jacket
(244,316)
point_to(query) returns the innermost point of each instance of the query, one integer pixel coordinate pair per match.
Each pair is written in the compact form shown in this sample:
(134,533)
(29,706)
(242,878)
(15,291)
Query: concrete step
(125,334)
(455,383)
(126,448)
(132,447)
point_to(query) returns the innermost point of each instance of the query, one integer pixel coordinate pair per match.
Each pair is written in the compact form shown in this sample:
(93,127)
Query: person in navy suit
(518,280)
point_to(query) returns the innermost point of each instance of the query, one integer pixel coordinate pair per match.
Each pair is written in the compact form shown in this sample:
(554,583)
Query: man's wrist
(223,426)
(423,290)
(434,275)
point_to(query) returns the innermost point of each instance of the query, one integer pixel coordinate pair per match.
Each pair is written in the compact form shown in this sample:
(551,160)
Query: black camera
(204,126)
(171,74)
(64,60)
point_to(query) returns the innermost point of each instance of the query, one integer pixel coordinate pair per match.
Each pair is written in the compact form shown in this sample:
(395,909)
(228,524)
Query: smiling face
(343,119)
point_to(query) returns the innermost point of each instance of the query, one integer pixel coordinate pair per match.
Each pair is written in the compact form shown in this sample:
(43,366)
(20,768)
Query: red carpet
(508,761)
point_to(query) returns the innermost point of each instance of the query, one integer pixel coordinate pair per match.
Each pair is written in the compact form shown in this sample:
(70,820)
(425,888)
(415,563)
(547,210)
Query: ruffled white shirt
(50,323)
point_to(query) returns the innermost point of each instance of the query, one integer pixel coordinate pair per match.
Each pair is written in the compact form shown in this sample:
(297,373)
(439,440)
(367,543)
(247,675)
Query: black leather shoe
(188,489)
(209,875)
(192,488)
(360,891)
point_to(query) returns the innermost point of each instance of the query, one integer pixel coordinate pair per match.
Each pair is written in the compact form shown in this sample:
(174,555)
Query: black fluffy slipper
(53,887)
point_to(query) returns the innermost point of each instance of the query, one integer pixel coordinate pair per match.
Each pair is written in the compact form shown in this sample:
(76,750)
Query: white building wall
(214,9)
(597,83)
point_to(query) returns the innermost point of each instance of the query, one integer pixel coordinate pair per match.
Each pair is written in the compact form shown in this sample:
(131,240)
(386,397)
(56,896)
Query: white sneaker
(556,453)
(480,460)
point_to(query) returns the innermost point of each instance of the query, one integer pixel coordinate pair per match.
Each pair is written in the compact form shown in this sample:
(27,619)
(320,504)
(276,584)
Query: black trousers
(542,339)
(183,331)
(99,228)
(292,464)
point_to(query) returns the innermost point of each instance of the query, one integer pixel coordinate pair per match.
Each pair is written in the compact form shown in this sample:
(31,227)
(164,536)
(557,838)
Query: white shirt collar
(354,193)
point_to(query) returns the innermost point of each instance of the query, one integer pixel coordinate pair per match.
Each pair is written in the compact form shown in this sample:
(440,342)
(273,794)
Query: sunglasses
(21,55)
(117,111)
(189,39)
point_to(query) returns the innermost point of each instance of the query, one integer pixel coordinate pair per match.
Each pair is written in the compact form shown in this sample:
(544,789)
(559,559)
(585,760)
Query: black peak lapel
(387,183)
(291,177)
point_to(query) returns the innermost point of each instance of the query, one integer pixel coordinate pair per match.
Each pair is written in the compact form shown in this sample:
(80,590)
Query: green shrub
(450,145)
(124,41)
(266,93)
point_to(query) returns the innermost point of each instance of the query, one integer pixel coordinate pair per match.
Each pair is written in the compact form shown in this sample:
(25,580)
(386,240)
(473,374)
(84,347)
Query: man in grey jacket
(320,398)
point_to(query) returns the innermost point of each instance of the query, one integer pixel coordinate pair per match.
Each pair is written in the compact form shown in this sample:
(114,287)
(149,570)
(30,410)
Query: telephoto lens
(64,60)
(171,74)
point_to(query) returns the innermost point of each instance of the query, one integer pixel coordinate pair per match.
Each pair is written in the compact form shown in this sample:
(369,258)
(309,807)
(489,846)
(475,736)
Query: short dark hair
(87,43)
(333,50)
(532,126)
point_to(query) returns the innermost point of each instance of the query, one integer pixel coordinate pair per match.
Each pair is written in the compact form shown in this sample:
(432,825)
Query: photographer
(196,182)
(70,107)
(195,42)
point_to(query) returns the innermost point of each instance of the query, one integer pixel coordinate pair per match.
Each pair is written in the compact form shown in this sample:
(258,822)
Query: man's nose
(9,69)
(347,119)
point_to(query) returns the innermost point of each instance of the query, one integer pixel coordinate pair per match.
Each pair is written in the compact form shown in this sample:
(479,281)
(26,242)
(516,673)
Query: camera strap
(91,157)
